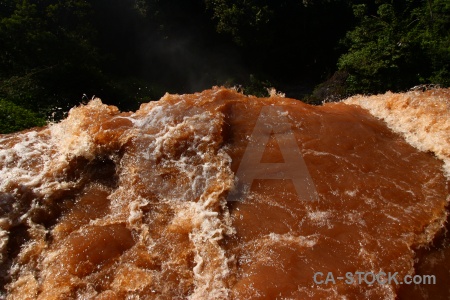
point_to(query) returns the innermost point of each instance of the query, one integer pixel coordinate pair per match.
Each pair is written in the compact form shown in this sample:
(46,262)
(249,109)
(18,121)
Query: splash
(122,205)
(422,118)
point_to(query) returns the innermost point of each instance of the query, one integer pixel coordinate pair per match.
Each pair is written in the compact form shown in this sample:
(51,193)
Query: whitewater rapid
(147,204)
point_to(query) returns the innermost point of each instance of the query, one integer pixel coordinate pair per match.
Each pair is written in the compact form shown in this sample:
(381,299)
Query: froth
(117,205)
(423,118)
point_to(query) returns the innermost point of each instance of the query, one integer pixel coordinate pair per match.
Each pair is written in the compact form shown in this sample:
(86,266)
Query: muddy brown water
(147,204)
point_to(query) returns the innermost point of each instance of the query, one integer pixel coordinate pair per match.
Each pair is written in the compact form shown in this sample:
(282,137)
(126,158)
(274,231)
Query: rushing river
(217,195)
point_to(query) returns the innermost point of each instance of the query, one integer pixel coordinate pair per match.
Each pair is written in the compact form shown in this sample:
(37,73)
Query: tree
(286,42)
(397,45)
(246,21)
(15,118)
(433,34)
(46,53)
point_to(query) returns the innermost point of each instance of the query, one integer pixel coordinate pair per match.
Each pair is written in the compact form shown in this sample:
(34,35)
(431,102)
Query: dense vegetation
(55,54)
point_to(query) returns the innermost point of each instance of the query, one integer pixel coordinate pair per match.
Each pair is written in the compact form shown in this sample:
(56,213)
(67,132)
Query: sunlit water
(122,205)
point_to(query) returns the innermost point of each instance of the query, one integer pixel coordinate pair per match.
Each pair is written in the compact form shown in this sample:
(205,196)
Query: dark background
(57,54)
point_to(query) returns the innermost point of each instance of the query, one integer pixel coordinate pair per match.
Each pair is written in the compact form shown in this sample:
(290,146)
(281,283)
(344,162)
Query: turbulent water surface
(148,205)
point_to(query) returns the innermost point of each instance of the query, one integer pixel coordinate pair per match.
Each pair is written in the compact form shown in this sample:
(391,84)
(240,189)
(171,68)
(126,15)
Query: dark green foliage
(285,41)
(255,87)
(55,54)
(246,21)
(397,45)
(15,118)
(46,53)
(333,89)
(433,33)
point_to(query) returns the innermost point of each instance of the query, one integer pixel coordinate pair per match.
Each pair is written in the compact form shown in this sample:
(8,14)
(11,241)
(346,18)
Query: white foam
(210,277)
(27,162)
(188,147)
(304,241)
(320,218)
(422,118)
